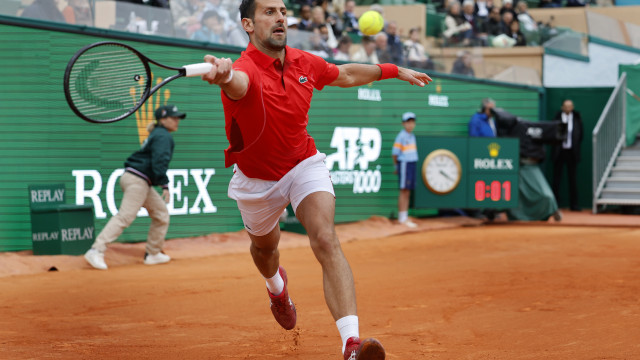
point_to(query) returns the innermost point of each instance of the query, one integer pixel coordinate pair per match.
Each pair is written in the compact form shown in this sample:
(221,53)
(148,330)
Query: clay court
(454,289)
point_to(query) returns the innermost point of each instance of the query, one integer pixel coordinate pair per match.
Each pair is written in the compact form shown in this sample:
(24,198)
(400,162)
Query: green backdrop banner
(43,142)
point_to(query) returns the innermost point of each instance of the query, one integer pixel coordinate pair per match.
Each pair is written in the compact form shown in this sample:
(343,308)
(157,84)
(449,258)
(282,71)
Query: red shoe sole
(371,349)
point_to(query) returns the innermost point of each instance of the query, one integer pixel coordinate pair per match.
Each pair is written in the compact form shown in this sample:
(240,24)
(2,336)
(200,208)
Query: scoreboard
(464,172)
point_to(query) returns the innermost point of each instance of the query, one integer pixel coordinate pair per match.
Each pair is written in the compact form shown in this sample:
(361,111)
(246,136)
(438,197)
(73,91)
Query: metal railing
(609,137)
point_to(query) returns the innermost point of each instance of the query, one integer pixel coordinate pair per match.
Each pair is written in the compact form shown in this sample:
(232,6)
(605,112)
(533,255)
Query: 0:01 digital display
(496,190)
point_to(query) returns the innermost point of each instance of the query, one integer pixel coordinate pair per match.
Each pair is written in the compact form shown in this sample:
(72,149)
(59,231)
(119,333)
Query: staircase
(622,187)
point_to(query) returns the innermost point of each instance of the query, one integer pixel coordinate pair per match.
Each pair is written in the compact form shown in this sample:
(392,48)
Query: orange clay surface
(452,289)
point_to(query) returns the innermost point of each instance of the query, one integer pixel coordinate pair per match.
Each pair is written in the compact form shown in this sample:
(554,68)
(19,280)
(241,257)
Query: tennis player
(266,95)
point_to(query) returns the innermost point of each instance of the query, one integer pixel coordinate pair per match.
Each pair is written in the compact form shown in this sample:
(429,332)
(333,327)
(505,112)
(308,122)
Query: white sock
(403,216)
(348,327)
(275,284)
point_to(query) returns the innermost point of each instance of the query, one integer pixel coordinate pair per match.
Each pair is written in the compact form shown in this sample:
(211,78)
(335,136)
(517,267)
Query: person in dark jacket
(462,65)
(144,169)
(515,33)
(568,153)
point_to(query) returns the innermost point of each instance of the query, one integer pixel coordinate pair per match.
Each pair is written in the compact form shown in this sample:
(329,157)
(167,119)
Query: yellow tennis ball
(371,22)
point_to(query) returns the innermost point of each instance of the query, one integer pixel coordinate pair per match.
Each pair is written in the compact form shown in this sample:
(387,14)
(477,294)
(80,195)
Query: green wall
(590,102)
(44,142)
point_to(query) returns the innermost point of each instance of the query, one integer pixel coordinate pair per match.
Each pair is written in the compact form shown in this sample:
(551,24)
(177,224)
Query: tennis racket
(108,81)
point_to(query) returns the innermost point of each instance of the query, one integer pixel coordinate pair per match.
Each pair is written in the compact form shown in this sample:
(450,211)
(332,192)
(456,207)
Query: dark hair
(211,13)
(248,9)
(367,39)
(345,39)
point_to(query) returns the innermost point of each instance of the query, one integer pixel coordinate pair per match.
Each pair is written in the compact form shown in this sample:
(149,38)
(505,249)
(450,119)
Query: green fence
(44,142)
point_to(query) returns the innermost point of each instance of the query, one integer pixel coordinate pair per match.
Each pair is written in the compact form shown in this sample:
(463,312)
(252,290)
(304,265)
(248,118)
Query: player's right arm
(234,83)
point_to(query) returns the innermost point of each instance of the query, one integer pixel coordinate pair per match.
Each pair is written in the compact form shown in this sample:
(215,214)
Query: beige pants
(137,193)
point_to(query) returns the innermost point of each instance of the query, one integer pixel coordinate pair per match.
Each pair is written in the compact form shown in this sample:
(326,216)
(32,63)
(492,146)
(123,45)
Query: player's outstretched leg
(367,349)
(281,305)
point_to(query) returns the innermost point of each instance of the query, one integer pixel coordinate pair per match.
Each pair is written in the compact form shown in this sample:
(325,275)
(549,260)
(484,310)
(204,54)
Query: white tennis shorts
(261,202)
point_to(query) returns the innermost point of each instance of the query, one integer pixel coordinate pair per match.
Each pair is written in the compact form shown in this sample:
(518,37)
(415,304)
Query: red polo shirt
(267,128)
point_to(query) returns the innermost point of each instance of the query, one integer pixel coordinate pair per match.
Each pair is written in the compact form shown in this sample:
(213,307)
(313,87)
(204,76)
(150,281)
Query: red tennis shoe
(281,305)
(367,349)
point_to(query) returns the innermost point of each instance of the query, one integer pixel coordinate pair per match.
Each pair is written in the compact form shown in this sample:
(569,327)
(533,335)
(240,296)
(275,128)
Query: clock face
(441,171)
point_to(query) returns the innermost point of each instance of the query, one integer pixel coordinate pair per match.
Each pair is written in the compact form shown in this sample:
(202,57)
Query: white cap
(408,116)
(292,20)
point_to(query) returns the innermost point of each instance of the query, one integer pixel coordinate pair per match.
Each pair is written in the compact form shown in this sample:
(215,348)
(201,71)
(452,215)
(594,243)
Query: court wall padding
(43,141)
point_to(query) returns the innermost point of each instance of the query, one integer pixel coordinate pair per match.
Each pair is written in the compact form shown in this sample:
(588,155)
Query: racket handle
(197,69)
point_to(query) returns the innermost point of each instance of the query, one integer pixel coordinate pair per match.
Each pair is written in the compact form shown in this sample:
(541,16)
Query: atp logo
(302,79)
(356,148)
(144,115)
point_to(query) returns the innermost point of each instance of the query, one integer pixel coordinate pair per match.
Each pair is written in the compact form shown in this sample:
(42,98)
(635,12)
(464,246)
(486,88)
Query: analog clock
(441,171)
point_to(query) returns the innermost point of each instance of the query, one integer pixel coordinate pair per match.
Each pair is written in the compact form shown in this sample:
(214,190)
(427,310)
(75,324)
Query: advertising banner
(44,142)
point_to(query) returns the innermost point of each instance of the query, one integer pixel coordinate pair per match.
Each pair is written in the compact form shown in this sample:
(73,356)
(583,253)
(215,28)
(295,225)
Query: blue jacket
(479,126)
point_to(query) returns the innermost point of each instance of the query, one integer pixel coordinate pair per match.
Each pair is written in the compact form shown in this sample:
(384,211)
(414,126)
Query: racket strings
(107,82)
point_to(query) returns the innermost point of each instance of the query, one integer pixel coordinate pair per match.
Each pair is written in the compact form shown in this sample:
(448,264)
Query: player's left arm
(359,74)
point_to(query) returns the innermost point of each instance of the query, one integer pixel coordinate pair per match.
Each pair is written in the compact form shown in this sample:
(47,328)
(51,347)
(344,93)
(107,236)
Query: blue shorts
(407,175)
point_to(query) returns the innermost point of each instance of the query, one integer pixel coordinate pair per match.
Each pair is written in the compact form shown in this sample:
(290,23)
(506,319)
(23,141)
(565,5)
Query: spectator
(349,19)
(215,30)
(317,45)
(305,18)
(78,12)
(550,3)
(416,55)
(378,8)
(327,38)
(468,12)
(317,17)
(292,22)
(494,25)
(367,52)
(507,6)
(186,15)
(458,30)
(318,21)
(394,44)
(216,5)
(517,35)
(482,8)
(568,153)
(343,51)
(212,29)
(507,19)
(525,19)
(44,10)
(330,17)
(382,48)
(462,65)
